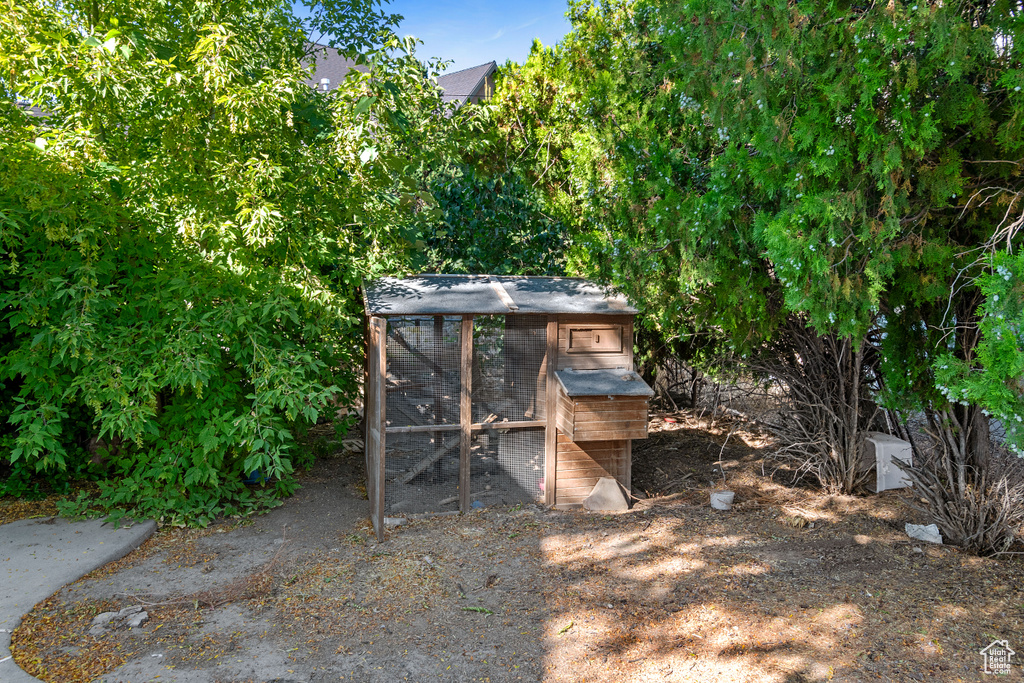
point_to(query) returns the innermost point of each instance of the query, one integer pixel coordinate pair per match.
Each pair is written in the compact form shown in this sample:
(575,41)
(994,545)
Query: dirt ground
(790,585)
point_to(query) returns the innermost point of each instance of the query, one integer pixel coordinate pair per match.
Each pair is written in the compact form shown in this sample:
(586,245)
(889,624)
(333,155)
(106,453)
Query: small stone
(128,611)
(394,521)
(136,620)
(428,559)
(917,549)
(103,619)
(606,496)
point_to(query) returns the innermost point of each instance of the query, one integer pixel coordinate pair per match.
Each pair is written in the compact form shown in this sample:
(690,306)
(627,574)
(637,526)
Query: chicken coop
(485,390)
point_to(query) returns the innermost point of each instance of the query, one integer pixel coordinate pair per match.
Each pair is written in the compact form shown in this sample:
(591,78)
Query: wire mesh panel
(423,371)
(508,368)
(507,466)
(423,392)
(423,385)
(422,473)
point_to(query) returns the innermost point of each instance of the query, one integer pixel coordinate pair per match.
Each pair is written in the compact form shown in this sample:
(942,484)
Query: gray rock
(606,496)
(928,533)
(136,620)
(128,611)
(103,619)
(722,500)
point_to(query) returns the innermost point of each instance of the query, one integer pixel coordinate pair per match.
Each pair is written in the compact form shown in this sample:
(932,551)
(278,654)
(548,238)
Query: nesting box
(485,390)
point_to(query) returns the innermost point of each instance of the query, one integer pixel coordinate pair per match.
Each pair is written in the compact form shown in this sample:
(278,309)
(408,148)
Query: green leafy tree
(489,223)
(185,234)
(736,167)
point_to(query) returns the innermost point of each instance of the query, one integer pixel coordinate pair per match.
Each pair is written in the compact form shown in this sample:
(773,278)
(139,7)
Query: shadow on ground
(790,585)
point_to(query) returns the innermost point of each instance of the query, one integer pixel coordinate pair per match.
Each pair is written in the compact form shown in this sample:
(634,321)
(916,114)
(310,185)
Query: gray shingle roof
(330,64)
(459,86)
(490,295)
(32,109)
(607,382)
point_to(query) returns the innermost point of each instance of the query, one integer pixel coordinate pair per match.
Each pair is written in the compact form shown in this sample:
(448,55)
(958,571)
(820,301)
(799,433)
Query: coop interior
(421,452)
(458,402)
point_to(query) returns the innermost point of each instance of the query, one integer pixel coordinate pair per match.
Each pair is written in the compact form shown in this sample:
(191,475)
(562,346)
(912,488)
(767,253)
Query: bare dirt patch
(790,585)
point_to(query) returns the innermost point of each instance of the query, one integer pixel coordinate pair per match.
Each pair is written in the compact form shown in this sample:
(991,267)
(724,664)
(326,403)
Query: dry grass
(791,585)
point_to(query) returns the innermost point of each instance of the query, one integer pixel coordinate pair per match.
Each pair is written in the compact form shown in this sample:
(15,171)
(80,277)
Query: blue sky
(472,32)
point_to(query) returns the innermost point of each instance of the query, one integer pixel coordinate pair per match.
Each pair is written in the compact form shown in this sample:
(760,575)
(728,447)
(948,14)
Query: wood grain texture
(610,433)
(465,411)
(376,379)
(581,464)
(600,418)
(551,399)
(600,358)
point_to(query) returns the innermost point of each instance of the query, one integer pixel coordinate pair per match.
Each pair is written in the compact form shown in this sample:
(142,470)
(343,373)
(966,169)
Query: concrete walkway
(39,556)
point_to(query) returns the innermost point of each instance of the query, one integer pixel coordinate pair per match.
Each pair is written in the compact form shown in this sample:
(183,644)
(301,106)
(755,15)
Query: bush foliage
(185,234)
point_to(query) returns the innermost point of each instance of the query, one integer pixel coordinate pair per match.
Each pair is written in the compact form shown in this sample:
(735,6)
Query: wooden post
(628,343)
(466,412)
(375,400)
(551,412)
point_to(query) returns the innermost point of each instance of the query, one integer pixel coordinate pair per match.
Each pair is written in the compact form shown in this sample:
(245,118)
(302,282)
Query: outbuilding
(488,390)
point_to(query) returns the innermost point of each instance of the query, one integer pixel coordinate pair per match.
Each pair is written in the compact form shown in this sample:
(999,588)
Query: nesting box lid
(606,382)
(490,295)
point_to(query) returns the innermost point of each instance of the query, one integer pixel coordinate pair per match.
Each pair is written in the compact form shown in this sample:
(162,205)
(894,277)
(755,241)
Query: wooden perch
(428,461)
(397,336)
(481,494)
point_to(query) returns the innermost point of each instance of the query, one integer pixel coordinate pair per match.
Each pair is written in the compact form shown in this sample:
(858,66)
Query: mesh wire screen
(433,489)
(423,371)
(507,466)
(508,376)
(423,389)
(423,385)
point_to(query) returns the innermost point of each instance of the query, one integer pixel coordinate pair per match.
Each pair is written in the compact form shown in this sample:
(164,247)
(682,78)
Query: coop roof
(609,382)
(490,295)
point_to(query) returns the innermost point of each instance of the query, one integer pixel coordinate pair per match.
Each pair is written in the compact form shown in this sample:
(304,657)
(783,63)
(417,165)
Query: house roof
(32,109)
(329,63)
(605,382)
(490,295)
(459,86)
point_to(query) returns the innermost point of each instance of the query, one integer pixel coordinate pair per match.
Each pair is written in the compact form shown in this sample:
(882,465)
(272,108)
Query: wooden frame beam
(551,412)
(465,412)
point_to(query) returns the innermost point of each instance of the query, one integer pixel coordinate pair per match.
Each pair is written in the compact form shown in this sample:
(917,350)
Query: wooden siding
(602,418)
(581,464)
(602,358)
